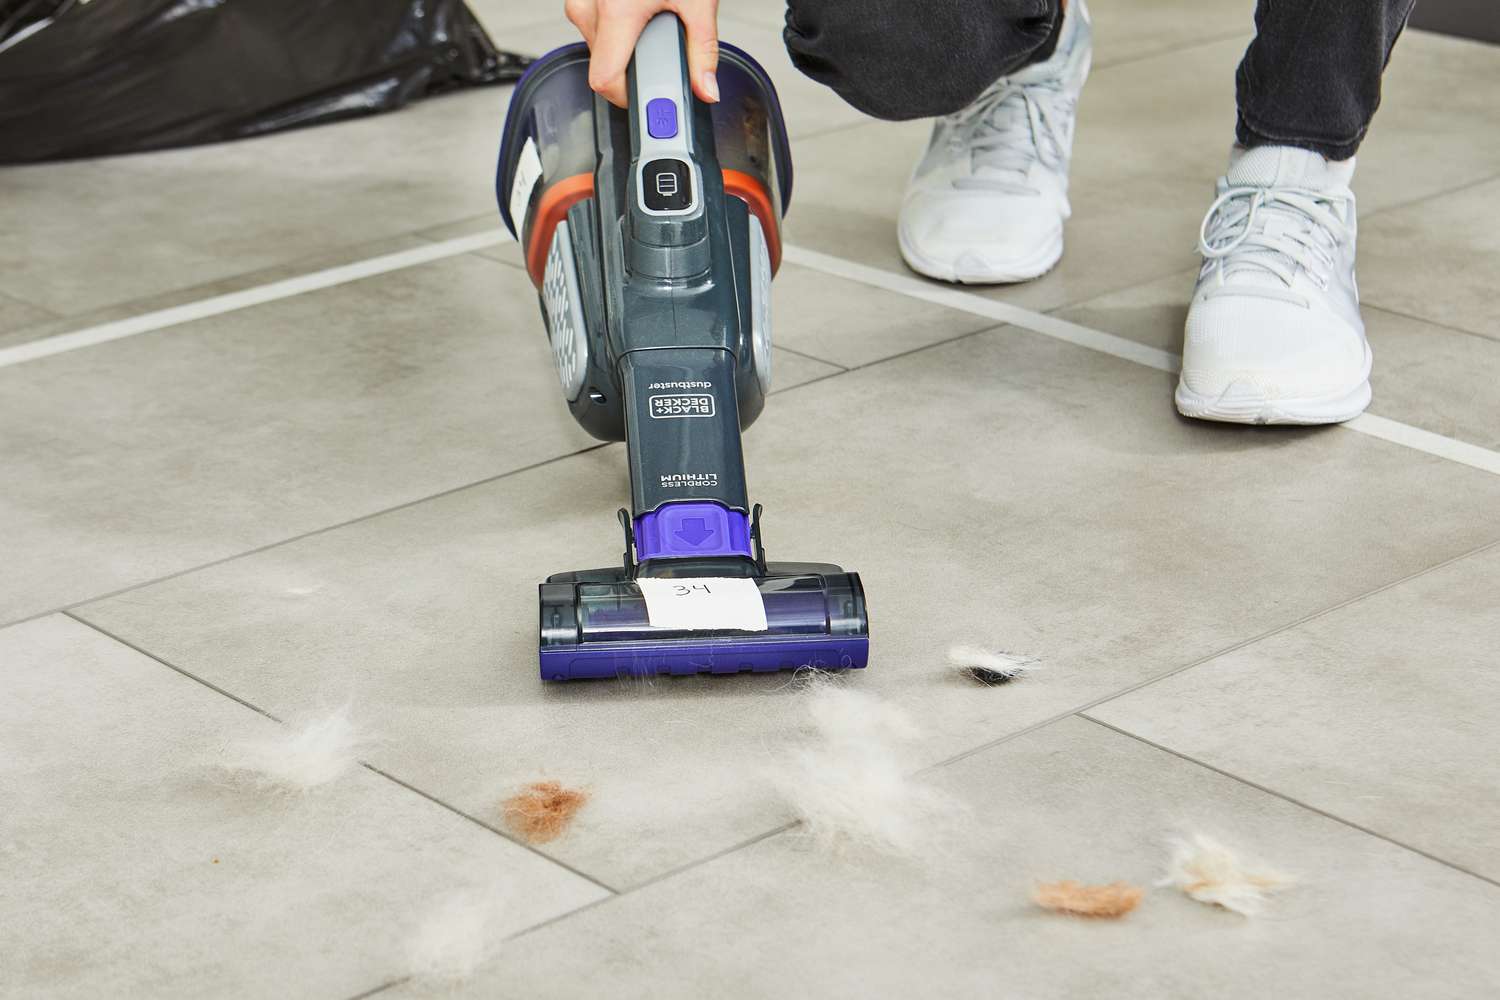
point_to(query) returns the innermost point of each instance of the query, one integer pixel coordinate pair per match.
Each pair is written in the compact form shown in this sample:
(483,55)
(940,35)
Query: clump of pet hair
(990,668)
(1097,901)
(459,933)
(542,810)
(1211,873)
(849,783)
(297,758)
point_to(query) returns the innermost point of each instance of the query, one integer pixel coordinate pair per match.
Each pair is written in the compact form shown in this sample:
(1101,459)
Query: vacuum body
(652,234)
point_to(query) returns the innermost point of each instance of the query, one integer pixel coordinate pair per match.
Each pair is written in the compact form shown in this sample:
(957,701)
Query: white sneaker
(1274,334)
(987,201)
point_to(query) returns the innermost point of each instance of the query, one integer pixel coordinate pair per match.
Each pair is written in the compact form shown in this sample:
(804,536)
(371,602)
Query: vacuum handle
(668,160)
(659,90)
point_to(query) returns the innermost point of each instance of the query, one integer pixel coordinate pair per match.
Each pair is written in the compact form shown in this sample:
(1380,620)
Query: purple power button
(661,117)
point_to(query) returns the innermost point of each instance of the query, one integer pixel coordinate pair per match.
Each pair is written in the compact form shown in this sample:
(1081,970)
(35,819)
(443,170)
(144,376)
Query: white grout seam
(1385,429)
(245,298)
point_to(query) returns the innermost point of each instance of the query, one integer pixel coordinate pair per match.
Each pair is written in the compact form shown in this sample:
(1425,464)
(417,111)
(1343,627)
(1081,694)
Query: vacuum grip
(668,160)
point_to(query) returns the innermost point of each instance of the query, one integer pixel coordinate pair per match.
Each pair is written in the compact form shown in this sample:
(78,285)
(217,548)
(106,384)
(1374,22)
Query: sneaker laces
(1010,127)
(1274,231)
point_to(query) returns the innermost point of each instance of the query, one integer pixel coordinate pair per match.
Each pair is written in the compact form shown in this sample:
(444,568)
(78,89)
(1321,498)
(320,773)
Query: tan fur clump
(542,810)
(1079,900)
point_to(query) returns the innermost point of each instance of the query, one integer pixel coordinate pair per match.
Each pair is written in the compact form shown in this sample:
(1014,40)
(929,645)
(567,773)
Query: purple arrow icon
(695,531)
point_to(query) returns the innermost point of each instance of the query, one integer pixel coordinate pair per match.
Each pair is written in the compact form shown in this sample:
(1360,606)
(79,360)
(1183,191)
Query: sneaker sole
(1242,403)
(1044,260)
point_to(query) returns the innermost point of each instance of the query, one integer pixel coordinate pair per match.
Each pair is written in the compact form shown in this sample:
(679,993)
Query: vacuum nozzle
(598,624)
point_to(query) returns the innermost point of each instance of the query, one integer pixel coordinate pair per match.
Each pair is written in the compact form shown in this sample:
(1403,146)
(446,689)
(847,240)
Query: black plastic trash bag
(93,77)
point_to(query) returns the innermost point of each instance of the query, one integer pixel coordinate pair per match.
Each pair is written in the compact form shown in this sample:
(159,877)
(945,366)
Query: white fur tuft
(1007,665)
(849,784)
(298,758)
(456,936)
(1211,873)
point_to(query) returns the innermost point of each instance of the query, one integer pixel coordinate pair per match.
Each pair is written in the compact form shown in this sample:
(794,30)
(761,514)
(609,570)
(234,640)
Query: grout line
(492,829)
(979,305)
(94,599)
(364,764)
(1418,439)
(170,666)
(1434,195)
(245,298)
(389,984)
(1173,50)
(1383,428)
(1208,657)
(775,831)
(1479,334)
(811,357)
(1289,799)
(68,608)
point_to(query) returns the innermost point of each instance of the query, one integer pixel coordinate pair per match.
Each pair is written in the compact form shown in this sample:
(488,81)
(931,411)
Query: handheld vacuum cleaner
(651,234)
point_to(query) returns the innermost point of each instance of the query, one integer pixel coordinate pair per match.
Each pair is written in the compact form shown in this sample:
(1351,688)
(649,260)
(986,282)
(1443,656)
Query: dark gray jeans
(1311,77)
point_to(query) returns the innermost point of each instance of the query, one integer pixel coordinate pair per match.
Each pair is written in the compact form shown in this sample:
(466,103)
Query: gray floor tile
(197,215)
(1174,115)
(503,19)
(850,324)
(148,455)
(508,252)
(1126,30)
(1438,127)
(131,869)
(1370,920)
(1385,713)
(789,369)
(54,325)
(1126,227)
(769,14)
(1042,495)
(1436,259)
(15,316)
(1440,379)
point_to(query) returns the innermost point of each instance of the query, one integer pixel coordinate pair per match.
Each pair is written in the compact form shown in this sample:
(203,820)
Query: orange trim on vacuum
(749,190)
(557,199)
(550,210)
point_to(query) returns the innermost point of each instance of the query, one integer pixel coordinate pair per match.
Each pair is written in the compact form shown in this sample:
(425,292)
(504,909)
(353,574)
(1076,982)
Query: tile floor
(1290,638)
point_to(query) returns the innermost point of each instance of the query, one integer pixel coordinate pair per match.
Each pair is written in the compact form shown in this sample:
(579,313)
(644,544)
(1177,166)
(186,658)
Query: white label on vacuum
(703,603)
(528,172)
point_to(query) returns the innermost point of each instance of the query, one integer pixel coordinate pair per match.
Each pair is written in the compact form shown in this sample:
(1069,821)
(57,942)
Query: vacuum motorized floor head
(652,234)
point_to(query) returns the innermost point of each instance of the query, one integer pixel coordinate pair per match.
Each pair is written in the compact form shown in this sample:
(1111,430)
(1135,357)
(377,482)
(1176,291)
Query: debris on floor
(990,668)
(298,758)
(850,783)
(543,810)
(455,937)
(1079,900)
(1211,873)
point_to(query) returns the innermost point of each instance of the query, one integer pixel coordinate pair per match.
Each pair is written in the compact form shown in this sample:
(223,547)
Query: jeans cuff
(1249,137)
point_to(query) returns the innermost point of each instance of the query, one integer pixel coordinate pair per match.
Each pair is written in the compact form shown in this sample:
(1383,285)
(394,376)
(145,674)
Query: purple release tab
(661,117)
(691,528)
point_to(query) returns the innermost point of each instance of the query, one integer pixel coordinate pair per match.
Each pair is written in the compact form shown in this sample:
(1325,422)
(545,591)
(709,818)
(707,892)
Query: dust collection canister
(548,152)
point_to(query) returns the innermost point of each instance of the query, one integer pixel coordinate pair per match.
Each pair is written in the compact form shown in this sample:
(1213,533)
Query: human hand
(611,28)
